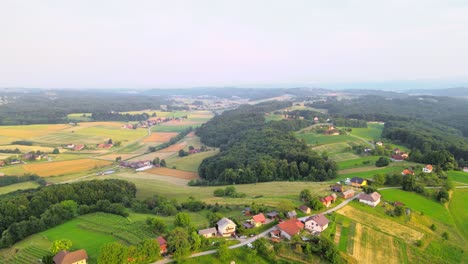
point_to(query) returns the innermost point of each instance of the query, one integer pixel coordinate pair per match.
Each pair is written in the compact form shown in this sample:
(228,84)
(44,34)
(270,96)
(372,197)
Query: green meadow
(458,176)
(371,133)
(319,139)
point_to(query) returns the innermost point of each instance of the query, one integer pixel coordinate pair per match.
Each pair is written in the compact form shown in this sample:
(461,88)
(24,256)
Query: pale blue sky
(151,44)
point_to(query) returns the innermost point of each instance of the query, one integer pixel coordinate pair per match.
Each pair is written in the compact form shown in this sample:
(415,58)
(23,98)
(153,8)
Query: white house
(316,223)
(226,227)
(372,199)
(427,169)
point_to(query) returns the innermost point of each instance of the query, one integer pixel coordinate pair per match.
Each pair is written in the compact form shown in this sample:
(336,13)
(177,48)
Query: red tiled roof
(260,218)
(291,226)
(327,199)
(429,167)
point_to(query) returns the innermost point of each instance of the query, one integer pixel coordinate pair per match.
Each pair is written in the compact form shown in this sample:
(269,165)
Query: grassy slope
(189,163)
(419,203)
(356,163)
(458,176)
(372,132)
(459,211)
(18,186)
(318,139)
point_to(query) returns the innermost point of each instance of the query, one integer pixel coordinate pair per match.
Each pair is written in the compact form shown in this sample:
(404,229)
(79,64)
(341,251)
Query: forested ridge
(52,108)
(422,123)
(27,212)
(255,151)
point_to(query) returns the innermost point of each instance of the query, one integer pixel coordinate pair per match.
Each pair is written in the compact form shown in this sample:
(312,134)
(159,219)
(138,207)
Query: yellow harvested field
(30,131)
(30,148)
(187,175)
(371,246)
(378,223)
(201,115)
(112,157)
(174,148)
(160,137)
(47,169)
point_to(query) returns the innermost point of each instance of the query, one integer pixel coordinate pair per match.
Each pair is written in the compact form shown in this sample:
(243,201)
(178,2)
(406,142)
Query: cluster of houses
(398,155)
(152,122)
(35,156)
(137,165)
(74,147)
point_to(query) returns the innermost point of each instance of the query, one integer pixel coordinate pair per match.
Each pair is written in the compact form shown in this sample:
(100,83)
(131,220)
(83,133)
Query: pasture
(167,128)
(46,169)
(30,131)
(319,139)
(367,172)
(191,162)
(160,137)
(458,176)
(25,149)
(356,163)
(419,203)
(371,133)
(458,210)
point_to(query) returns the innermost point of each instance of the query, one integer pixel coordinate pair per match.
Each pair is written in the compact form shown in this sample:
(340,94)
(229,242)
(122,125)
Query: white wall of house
(373,204)
(312,226)
(286,235)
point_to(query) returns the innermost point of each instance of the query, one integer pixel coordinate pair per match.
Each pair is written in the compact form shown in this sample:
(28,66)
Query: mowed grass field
(160,137)
(419,203)
(367,172)
(191,162)
(46,169)
(458,176)
(458,210)
(356,163)
(372,132)
(187,175)
(166,128)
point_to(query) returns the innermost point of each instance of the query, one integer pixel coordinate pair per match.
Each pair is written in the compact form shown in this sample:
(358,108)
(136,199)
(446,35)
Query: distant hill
(452,92)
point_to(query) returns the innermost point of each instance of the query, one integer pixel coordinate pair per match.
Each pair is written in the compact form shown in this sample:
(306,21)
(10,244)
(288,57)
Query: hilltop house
(162,245)
(258,220)
(290,228)
(207,233)
(372,199)
(305,209)
(358,182)
(226,227)
(427,169)
(316,223)
(348,194)
(75,257)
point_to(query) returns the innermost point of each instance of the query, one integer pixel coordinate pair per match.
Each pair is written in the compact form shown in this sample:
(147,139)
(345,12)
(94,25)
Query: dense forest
(23,213)
(255,151)
(422,123)
(42,107)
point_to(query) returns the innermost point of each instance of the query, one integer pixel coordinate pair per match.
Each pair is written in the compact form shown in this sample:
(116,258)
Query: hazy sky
(151,44)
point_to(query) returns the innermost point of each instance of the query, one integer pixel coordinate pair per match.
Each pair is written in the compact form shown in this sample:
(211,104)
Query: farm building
(336,188)
(348,194)
(162,244)
(290,228)
(291,214)
(358,182)
(372,199)
(327,201)
(275,233)
(209,232)
(79,147)
(258,220)
(305,209)
(135,164)
(226,227)
(316,223)
(144,168)
(75,257)
(427,169)
(272,215)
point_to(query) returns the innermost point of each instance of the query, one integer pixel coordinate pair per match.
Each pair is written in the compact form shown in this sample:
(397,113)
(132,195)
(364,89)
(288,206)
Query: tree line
(112,116)
(27,212)
(255,151)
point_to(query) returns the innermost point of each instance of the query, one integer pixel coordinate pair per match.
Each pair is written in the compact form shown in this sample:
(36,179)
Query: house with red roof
(327,201)
(290,228)
(162,244)
(407,172)
(316,223)
(78,147)
(427,169)
(258,220)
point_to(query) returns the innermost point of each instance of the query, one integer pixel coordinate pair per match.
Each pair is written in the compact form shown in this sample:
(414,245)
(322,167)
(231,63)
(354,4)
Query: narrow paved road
(263,234)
